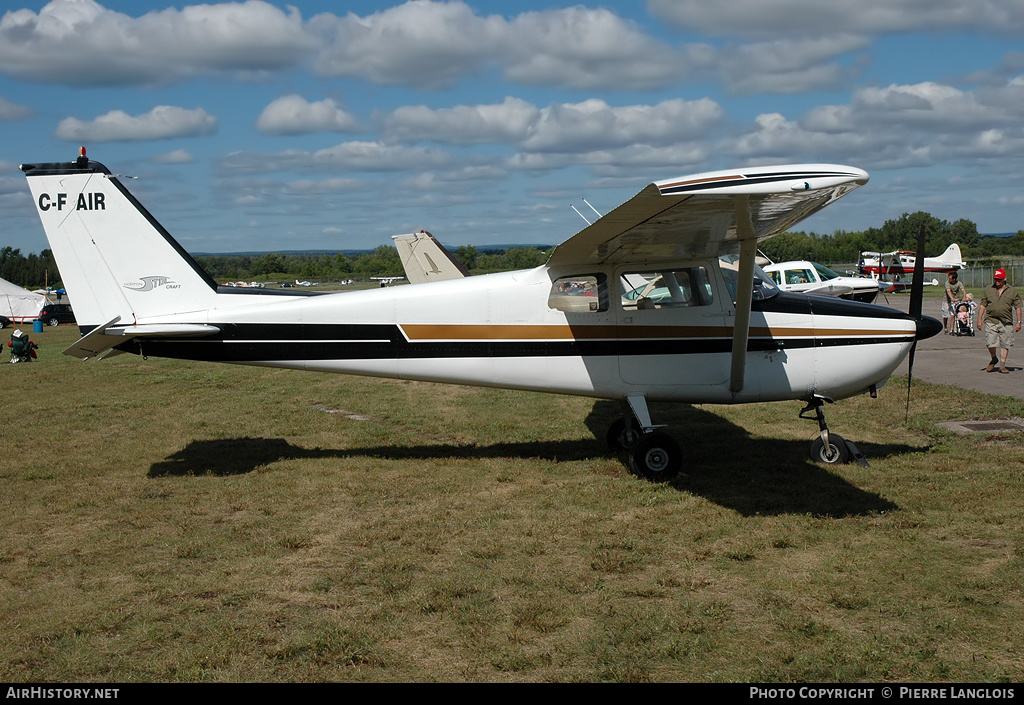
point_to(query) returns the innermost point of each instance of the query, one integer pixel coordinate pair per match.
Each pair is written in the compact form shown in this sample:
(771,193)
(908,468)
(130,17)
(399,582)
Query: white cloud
(430,45)
(162,122)
(561,127)
(293,115)
(788,66)
(773,18)
(10,111)
(79,42)
(897,126)
(421,43)
(593,124)
(508,122)
(355,156)
(594,48)
(310,187)
(178,156)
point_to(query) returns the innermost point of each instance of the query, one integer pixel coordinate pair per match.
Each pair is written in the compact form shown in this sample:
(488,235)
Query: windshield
(764,287)
(824,272)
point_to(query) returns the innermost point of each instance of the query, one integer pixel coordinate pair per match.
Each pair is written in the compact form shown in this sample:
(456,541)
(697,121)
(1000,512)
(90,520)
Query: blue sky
(265,126)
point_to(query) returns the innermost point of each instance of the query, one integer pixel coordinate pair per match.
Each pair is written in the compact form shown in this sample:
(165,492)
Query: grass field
(168,521)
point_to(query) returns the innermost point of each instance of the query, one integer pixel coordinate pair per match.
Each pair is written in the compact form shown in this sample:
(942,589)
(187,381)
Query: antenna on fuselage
(583,216)
(579,214)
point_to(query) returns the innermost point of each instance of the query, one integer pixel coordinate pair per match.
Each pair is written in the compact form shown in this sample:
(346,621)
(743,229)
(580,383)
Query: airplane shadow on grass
(722,463)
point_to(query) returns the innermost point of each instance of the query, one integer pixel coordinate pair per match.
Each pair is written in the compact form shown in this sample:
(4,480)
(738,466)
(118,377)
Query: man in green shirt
(1000,315)
(954,294)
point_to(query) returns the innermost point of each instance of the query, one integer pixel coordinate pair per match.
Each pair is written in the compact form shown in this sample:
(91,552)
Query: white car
(813,278)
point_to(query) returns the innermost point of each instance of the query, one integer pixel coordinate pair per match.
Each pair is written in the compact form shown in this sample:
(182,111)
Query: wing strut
(744,293)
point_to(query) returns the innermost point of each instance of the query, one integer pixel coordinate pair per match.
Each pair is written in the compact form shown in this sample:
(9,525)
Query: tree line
(899,234)
(36,271)
(382,262)
(31,272)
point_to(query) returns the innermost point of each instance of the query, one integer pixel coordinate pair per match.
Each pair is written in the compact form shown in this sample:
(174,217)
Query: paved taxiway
(960,361)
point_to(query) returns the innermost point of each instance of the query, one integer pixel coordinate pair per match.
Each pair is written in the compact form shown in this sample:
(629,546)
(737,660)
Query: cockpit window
(824,272)
(764,287)
(583,293)
(687,286)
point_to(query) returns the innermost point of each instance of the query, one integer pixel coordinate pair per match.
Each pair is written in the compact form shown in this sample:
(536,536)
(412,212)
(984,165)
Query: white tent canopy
(18,303)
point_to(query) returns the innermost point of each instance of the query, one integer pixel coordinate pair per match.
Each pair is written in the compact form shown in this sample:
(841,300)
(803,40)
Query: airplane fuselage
(515,330)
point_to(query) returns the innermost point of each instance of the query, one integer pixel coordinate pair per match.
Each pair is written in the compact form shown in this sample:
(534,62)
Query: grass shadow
(722,463)
(237,456)
(725,465)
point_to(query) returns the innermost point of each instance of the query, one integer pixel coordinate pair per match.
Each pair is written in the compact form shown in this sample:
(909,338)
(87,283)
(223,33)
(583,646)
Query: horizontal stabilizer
(95,342)
(104,338)
(163,330)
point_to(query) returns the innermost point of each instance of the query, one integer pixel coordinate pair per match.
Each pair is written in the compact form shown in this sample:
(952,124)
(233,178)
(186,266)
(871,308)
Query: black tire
(52,321)
(619,437)
(838,453)
(656,457)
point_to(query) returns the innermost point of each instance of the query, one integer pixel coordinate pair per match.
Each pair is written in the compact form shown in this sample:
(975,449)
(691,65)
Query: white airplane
(814,278)
(902,262)
(724,333)
(425,259)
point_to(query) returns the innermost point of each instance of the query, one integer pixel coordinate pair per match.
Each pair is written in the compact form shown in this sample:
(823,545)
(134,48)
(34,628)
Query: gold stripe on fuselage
(422,332)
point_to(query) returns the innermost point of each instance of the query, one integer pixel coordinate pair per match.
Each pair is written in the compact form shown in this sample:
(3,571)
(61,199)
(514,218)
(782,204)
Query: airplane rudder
(111,247)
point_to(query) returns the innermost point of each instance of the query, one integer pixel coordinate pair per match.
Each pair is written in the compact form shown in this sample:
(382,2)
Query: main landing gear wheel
(621,436)
(837,453)
(655,456)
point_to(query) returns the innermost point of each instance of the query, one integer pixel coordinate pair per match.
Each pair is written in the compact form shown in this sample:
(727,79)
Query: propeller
(916,304)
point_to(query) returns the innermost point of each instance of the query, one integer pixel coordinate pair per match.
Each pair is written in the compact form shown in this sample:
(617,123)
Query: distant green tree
(269,264)
(384,261)
(523,258)
(341,265)
(467,255)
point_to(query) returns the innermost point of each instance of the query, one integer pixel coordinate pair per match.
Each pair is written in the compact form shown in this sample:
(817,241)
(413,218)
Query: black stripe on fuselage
(806,304)
(263,343)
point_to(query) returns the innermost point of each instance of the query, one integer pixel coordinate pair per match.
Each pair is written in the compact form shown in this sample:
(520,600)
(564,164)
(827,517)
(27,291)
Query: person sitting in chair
(22,348)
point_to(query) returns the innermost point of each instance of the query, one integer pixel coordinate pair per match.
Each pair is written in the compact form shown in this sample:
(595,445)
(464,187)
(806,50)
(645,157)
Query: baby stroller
(963,319)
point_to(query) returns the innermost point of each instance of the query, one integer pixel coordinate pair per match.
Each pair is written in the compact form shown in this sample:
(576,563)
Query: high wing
(714,213)
(708,214)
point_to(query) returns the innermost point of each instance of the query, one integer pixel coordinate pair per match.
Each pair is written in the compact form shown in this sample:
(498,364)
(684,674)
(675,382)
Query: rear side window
(666,289)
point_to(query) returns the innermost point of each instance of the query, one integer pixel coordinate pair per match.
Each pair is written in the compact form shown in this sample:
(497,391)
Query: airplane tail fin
(952,255)
(116,261)
(425,259)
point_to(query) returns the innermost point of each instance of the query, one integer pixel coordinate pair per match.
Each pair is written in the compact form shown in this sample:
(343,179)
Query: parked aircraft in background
(813,278)
(721,332)
(901,262)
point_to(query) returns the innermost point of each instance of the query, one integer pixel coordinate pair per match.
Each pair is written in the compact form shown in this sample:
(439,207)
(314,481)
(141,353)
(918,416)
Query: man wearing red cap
(1000,315)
